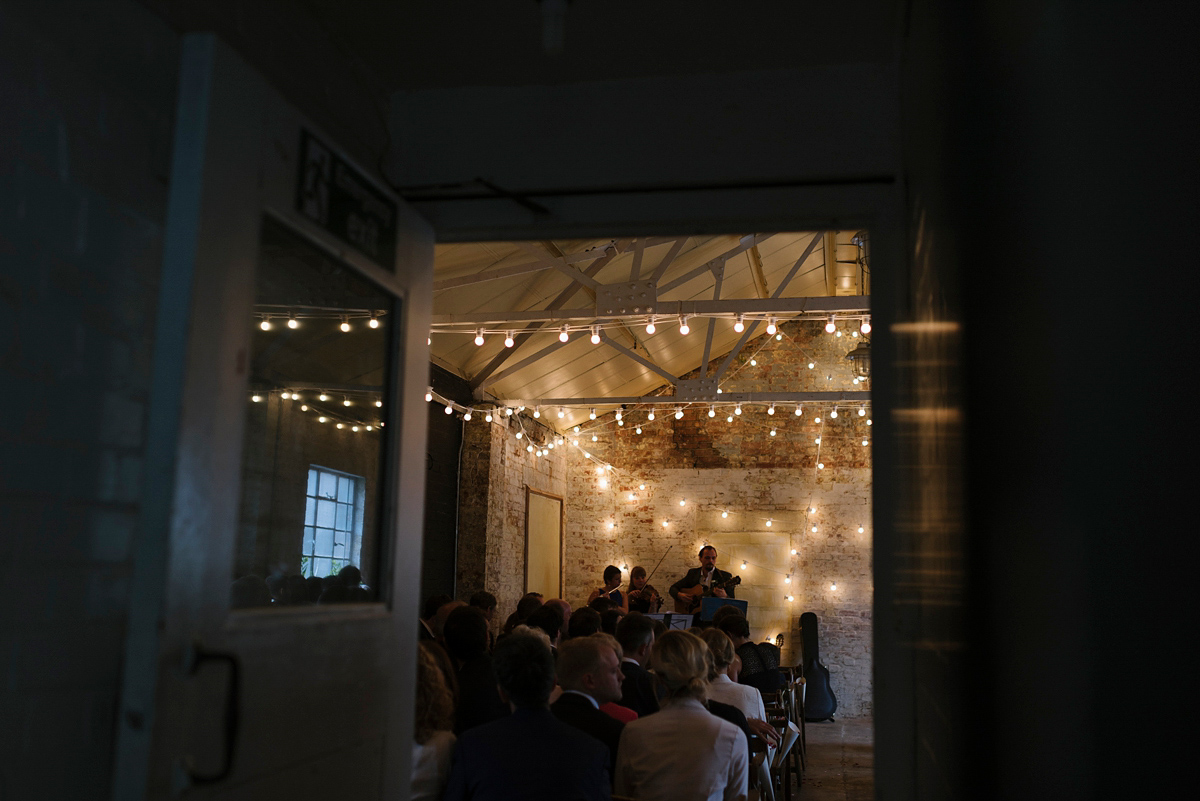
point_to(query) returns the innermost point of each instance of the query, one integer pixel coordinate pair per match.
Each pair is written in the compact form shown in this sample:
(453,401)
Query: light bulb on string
(595,438)
(345,401)
(868,421)
(724,513)
(833,413)
(664,523)
(865,327)
(683,325)
(737,409)
(729,419)
(855,381)
(650,327)
(812,510)
(256,399)
(294,323)
(304,408)
(864,442)
(449,409)
(817,420)
(811,365)
(592,414)
(794,552)
(266,323)
(537,411)
(378,404)
(754,362)
(611,524)
(370,428)
(862,412)
(354,429)
(428,395)
(770,522)
(322,419)
(508,411)
(529,448)
(467,415)
(508,339)
(791,598)
(771,326)
(854,334)
(830,326)
(488,417)
(638,430)
(561,412)
(860,529)
(833,586)
(520,434)
(743,564)
(787,579)
(817,440)
(564,334)
(632,496)
(772,432)
(678,412)
(771,409)
(595,335)
(738,325)
(576,429)
(814,529)
(345,326)
(340,426)
(820,465)
(682,502)
(479,336)
(642,487)
(372,323)
(799,410)
(712,411)
(650,415)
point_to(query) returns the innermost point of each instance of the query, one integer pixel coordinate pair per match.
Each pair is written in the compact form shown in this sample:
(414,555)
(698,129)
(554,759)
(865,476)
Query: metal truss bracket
(696,389)
(631,297)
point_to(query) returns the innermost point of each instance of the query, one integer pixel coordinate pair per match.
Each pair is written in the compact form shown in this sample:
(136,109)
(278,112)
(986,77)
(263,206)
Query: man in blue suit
(530,753)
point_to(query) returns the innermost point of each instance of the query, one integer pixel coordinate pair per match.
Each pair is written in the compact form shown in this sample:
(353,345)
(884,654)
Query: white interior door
(256,666)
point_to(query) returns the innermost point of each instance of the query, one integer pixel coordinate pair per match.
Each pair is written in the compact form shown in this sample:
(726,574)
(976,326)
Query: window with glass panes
(333,520)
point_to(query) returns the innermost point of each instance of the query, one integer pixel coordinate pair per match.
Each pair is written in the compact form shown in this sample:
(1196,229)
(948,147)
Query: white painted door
(284,449)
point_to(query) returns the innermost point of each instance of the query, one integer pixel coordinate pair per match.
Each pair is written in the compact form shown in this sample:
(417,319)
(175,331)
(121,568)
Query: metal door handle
(194,656)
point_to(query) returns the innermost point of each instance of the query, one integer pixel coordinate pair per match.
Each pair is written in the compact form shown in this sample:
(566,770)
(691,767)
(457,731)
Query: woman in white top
(682,752)
(433,739)
(746,698)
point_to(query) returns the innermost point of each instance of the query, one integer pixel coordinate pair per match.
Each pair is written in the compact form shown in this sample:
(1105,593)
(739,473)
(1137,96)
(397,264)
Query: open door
(270,649)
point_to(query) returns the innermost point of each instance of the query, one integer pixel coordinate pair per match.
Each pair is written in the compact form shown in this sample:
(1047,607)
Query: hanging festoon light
(712,410)
(737,409)
(256,399)
(564,334)
(650,416)
(467,415)
(591,415)
(428,395)
(770,522)
(833,413)
(739,325)
(508,412)
(650,327)
(799,410)
(449,409)
(345,401)
(772,432)
(561,412)
(771,327)
(487,417)
(294,323)
(595,335)
(372,323)
(683,325)
(266,323)
(830,326)
(479,336)
(537,411)
(771,409)
(345,326)
(678,412)
(866,326)
(862,411)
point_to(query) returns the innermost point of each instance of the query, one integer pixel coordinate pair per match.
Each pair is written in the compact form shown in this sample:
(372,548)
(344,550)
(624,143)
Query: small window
(333,522)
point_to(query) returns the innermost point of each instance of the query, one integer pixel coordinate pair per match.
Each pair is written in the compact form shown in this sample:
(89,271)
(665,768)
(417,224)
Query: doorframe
(562,527)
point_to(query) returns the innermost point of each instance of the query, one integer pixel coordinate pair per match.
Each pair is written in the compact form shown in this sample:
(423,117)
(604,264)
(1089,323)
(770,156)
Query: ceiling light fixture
(771,328)
(508,339)
(595,335)
(830,326)
(564,334)
(739,325)
(650,327)
(683,325)
(478,336)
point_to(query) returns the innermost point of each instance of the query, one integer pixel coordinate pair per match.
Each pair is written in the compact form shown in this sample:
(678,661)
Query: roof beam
(848,304)
(756,271)
(668,259)
(559,264)
(719,275)
(528,360)
(725,398)
(639,359)
(830,262)
(746,243)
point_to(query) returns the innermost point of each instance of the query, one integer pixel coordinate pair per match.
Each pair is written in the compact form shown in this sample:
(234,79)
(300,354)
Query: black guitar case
(819,701)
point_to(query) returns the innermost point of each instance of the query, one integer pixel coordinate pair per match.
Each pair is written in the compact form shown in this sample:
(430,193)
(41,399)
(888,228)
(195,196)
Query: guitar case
(819,701)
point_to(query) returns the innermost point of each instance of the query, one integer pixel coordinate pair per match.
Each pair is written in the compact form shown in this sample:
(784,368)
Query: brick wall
(88,99)
(715,467)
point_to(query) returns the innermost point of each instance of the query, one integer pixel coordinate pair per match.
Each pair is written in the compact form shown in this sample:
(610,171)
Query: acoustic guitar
(700,591)
(819,701)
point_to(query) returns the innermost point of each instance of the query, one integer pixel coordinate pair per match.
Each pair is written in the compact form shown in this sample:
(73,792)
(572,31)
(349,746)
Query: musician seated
(642,596)
(612,580)
(707,579)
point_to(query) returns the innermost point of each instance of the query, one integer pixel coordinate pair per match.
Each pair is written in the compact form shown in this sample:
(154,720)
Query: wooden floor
(841,761)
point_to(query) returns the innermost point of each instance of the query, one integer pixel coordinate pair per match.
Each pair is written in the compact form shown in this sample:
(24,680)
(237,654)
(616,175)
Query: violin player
(642,596)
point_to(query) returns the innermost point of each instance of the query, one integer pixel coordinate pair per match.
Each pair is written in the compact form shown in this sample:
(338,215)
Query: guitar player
(706,575)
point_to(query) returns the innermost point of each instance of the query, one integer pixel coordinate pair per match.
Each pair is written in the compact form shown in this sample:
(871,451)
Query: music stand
(672,620)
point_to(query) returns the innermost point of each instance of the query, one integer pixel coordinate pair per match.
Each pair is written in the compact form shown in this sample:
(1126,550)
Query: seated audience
(608,621)
(584,622)
(439,620)
(525,607)
(660,628)
(724,695)
(760,665)
(615,710)
(432,604)
(466,641)
(635,633)
(530,754)
(549,620)
(565,608)
(682,752)
(590,675)
(433,718)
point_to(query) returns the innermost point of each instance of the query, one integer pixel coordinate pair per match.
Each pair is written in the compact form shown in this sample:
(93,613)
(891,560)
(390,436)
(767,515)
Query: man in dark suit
(590,674)
(635,633)
(530,753)
(707,574)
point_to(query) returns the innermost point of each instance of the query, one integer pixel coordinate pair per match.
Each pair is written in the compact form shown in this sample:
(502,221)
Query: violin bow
(660,561)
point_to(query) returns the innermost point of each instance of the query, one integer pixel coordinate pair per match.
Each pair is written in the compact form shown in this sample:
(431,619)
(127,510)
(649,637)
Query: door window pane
(315,427)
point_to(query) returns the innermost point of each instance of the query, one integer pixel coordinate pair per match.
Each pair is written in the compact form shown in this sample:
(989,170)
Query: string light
(833,413)
(576,430)
(322,419)
(682,502)
(771,409)
(561,412)
(449,409)
(820,465)
(771,326)
(508,339)
(830,326)
(779,337)
(860,529)
(678,412)
(770,522)
(754,362)
(345,401)
(772,432)
(787,579)
(743,564)
(864,442)
(370,428)
(812,510)
(537,411)
(737,409)
(467,415)
(868,421)
(611,524)
(354,429)
(724,513)
(591,416)
(814,529)
(865,327)
(833,586)
(638,430)
(791,598)
(664,524)
(479,336)
(817,420)
(642,487)
(595,335)
(255,398)
(811,365)
(428,395)
(650,415)
(633,496)
(488,417)
(683,325)
(862,412)
(619,415)
(378,403)
(520,434)
(794,552)
(738,325)
(712,410)
(818,440)
(799,410)
(373,322)
(595,438)
(340,426)
(650,327)
(294,323)
(564,334)
(508,411)
(304,408)
(266,323)
(729,419)
(345,326)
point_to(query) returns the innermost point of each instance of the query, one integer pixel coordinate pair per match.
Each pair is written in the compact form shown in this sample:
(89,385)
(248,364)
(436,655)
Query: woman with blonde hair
(433,722)
(682,752)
